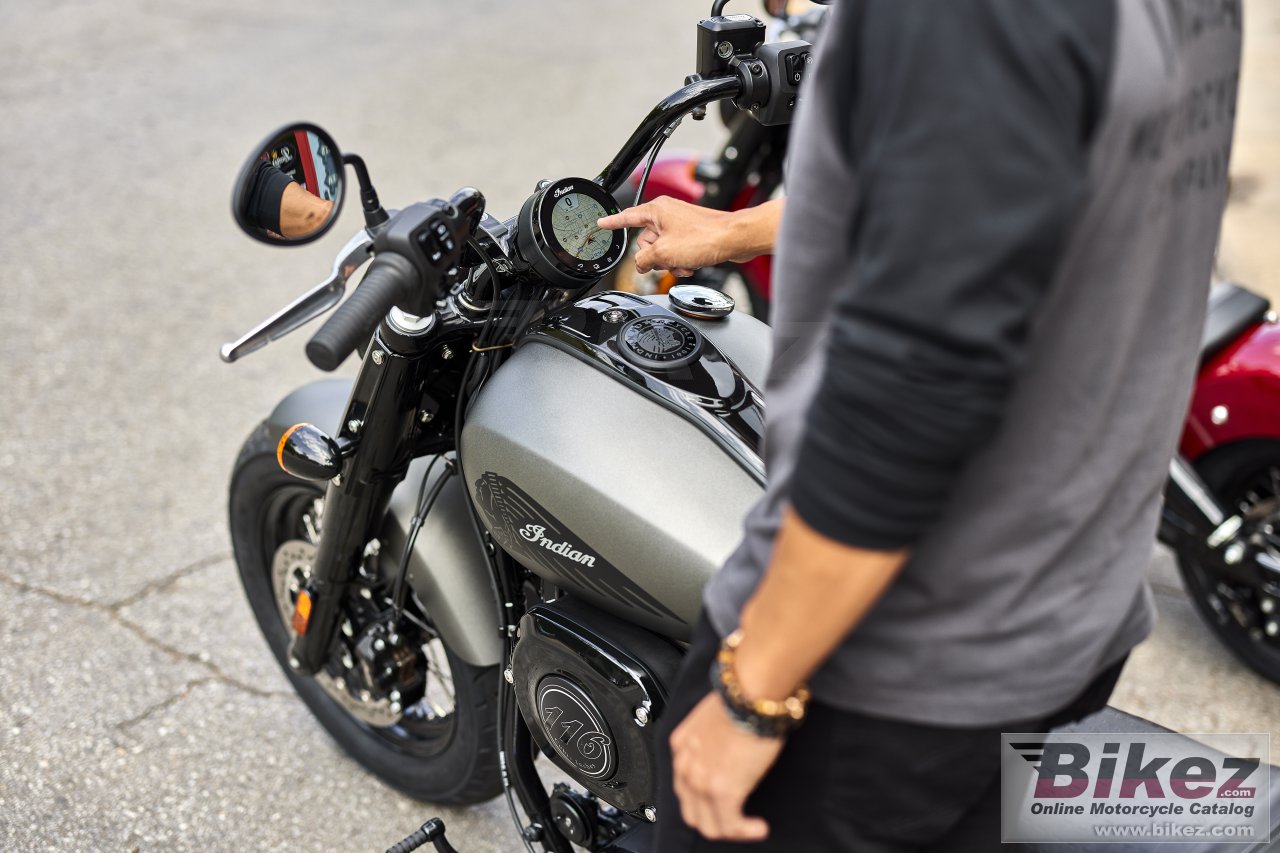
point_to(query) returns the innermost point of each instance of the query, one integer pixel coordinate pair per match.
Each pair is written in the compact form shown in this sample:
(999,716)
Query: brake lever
(309,305)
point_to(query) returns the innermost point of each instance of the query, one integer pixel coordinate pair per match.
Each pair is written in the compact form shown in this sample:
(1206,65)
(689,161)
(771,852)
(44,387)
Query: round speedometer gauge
(558,235)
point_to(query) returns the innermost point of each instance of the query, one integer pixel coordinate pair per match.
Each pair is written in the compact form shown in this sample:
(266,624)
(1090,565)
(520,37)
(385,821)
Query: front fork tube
(349,512)
(379,428)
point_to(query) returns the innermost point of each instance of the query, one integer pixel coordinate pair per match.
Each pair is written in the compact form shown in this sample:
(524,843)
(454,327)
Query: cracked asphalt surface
(139,709)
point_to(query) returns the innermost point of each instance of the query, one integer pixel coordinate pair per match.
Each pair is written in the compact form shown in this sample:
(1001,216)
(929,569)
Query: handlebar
(390,279)
(398,276)
(676,105)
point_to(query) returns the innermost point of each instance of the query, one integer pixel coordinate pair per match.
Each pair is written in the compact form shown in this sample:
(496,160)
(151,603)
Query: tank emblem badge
(659,343)
(537,538)
(535,533)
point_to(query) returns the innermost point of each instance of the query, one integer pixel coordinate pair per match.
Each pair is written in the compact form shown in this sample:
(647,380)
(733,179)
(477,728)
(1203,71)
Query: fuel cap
(699,302)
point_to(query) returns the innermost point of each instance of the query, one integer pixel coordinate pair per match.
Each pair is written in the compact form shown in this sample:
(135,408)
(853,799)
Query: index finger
(632,217)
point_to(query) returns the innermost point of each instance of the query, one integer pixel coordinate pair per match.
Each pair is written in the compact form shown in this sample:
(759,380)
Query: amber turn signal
(306,451)
(301,613)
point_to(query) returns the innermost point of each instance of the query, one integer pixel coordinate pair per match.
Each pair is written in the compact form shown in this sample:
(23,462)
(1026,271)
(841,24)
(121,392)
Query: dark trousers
(851,782)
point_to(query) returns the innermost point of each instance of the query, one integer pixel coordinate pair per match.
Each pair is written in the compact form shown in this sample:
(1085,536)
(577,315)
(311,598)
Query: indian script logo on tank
(536,534)
(539,540)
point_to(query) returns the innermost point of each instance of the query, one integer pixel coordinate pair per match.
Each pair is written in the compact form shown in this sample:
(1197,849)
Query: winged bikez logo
(1071,786)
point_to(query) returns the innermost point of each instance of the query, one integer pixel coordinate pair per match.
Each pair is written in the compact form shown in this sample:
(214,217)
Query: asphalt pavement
(139,708)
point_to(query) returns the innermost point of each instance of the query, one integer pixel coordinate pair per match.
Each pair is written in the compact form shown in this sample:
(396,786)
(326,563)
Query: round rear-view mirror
(290,189)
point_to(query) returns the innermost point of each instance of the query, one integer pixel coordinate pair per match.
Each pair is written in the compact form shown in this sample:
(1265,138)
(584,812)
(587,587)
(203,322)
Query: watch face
(659,342)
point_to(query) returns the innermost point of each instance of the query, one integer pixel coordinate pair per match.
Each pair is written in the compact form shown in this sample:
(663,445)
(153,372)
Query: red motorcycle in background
(1231,438)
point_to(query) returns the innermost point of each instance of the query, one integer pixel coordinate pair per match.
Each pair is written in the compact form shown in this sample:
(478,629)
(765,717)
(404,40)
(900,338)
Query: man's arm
(302,213)
(683,237)
(266,187)
(815,591)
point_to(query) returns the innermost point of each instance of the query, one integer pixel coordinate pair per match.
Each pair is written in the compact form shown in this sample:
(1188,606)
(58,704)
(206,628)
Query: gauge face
(573,222)
(557,232)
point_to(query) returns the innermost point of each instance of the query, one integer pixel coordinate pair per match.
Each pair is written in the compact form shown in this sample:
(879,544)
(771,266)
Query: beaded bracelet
(763,717)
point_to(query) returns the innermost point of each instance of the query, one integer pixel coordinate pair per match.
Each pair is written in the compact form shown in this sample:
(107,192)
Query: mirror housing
(290,190)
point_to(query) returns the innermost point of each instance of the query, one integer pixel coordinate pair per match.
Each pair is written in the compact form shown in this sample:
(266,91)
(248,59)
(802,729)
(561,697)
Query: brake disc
(290,571)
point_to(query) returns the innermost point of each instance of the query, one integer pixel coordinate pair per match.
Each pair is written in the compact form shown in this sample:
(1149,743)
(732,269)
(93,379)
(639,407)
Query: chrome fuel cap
(699,302)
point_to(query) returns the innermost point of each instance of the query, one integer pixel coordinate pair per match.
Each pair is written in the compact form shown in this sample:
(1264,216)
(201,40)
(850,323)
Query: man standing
(992,275)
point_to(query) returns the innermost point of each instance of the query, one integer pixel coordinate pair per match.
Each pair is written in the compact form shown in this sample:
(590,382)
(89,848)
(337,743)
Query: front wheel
(441,749)
(1244,477)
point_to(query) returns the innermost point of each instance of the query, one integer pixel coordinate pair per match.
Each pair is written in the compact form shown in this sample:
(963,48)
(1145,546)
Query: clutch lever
(309,305)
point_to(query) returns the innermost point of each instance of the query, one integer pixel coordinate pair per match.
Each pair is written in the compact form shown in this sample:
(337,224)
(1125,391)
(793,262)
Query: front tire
(1244,477)
(444,758)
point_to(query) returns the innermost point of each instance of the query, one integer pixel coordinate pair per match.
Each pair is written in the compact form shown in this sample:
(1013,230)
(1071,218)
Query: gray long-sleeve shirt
(992,276)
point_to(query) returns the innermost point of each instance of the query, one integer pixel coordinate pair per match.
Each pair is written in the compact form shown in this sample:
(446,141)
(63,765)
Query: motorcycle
(1231,440)
(452,569)
(453,572)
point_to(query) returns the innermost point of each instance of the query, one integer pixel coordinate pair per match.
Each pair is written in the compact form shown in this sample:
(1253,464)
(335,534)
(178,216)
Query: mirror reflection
(291,190)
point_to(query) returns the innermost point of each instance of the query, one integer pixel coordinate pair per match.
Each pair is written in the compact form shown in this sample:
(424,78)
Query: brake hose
(653,155)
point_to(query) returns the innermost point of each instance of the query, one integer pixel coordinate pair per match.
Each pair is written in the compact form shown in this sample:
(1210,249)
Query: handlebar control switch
(430,235)
(723,38)
(414,253)
(771,96)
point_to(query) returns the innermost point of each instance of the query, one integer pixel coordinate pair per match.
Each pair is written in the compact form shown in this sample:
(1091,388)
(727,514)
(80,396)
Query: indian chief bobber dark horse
(493,541)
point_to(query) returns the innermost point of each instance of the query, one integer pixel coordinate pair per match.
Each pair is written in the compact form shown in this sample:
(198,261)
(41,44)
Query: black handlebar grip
(390,279)
(413,842)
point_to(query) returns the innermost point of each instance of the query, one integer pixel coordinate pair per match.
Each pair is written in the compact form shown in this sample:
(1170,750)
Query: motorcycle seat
(1232,310)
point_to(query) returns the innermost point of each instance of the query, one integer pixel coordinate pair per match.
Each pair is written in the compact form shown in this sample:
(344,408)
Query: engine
(592,688)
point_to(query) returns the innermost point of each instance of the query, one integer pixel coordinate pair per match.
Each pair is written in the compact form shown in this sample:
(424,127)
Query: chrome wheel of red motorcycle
(1245,616)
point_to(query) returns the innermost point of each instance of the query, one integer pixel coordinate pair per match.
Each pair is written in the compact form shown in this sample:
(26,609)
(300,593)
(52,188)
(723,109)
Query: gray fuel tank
(602,489)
